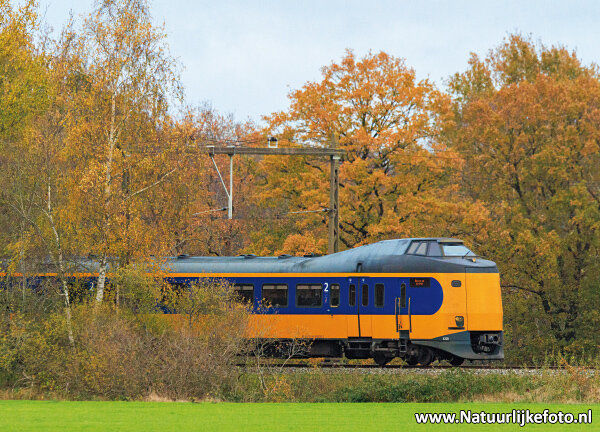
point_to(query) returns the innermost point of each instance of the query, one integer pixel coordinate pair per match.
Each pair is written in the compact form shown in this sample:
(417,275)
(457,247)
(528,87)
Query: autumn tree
(526,121)
(119,130)
(397,180)
(31,135)
(23,92)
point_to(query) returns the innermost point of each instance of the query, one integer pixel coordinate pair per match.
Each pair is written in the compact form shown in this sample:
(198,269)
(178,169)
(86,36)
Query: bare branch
(156,183)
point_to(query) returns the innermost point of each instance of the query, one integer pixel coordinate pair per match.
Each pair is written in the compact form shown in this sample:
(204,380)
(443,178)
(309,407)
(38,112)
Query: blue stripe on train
(424,301)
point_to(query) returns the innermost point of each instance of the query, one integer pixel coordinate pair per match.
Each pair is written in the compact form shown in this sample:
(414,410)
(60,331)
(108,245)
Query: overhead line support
(335,154)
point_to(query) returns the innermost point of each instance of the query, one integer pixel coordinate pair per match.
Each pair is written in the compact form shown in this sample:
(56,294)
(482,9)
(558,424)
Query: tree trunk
(107,196)
(61,266)
(68,312)
(101,279)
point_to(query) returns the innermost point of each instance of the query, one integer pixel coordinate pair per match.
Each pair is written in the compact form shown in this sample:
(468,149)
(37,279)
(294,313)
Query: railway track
(331,365)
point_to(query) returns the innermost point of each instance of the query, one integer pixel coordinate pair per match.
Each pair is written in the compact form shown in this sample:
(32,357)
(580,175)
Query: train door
(407,302)
(352,300)
(365,307)
(402,319)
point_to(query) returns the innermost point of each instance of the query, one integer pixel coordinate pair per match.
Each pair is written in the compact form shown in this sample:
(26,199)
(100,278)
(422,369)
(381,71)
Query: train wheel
(456,361)
(411,361)
(425,356)
(381,359)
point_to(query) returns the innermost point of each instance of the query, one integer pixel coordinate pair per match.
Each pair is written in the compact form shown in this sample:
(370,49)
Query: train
(419,299)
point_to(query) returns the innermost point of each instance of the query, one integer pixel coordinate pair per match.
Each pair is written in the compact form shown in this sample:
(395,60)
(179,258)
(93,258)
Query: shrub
(121,353)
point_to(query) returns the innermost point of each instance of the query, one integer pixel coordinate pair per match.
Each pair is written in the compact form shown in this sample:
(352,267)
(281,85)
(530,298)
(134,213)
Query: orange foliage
(397,179)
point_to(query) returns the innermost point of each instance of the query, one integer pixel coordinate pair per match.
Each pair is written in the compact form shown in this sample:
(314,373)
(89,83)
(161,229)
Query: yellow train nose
(484,302)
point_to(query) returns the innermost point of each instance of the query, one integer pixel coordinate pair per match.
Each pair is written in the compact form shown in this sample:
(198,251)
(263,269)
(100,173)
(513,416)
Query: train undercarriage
(455,348)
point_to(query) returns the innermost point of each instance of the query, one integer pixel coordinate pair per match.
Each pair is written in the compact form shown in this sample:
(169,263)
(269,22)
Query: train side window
(434,249)
(379,295)
(309,295)
(245,292)
(275,294)
(365,295)
(352,295)
(422,249)
(403,295)
(334,296)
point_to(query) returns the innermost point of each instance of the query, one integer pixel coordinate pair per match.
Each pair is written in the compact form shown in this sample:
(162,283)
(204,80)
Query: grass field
(165,416)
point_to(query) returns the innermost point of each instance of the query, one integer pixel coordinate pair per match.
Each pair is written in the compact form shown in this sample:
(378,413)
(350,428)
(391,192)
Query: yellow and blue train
(420,299)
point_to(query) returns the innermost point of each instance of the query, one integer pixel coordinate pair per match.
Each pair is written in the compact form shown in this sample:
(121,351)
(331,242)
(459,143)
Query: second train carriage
(419,299)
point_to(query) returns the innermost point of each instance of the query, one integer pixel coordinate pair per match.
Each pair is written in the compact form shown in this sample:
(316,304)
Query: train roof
(383,256)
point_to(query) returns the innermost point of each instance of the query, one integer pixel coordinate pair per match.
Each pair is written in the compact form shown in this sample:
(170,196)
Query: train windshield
(456,249)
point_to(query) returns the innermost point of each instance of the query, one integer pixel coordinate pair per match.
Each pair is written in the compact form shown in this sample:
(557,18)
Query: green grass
(49,416)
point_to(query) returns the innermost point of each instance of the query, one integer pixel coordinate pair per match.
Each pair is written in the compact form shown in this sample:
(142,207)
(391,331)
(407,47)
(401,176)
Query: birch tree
(32,141)
(119,126)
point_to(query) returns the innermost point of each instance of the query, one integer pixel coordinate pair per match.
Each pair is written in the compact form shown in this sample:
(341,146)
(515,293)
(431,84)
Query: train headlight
(460,321)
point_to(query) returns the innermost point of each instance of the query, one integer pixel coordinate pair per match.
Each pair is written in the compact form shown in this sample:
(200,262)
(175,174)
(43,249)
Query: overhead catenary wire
(210,211)
(435,154)
(324,209)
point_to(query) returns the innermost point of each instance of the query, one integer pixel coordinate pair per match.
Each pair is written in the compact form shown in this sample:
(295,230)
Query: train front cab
(467,326)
